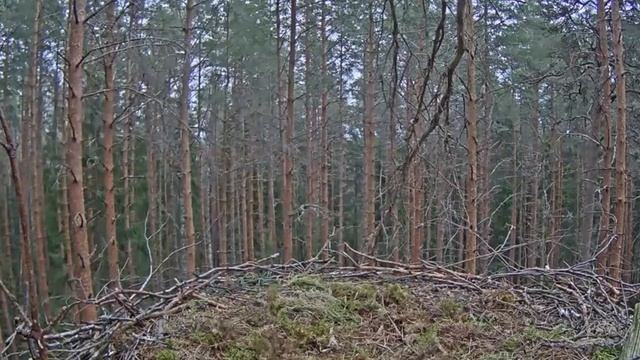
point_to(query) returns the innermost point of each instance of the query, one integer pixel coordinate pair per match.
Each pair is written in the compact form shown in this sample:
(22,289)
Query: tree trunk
(82,261)
(185,147)
(534,236)
(441,211)
(233,205)
(472,146)
(556,187)
(484,153)
(152,189)
(341,161)
(27,258)
(32,167)
(64,207)
(223,215)
(108,134)
(615,255)
(273,240)
(287,145)
(603,112)
(310,118)
(391,163)
(515,225)
(128,198)
(369,208)
(250,214)
(6,270)
(631,347)
(324,140)
(260,228)
(279,93)
(627,261)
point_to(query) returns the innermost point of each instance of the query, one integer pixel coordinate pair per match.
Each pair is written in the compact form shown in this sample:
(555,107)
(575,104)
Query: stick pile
(589,303)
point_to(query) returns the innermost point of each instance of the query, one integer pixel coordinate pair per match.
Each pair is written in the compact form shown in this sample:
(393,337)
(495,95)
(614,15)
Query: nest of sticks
(597,311)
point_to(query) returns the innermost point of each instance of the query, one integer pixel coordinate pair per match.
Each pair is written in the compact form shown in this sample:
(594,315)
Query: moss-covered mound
(307,317)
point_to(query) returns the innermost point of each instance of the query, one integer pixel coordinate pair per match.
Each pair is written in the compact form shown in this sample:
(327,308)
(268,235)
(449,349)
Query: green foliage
(606,354)
(165,354)
(395,294)
(427,340)
(307,282)
(450,308)
(239,352)
(535,333)
(212,338)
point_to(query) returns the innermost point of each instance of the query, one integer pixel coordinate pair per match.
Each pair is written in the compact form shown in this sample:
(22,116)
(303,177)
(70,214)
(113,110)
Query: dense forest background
(168,137)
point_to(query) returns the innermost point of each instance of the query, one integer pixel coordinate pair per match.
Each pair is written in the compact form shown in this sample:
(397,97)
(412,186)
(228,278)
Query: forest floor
(316,311)
(311,317)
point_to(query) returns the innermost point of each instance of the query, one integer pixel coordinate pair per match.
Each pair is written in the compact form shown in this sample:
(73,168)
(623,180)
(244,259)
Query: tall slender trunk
(472,146)
(627,261)
(249,193)
(557,177)
(185,147)
(515,197)
(152,187)
(64,198)
(369,208)
(287,146)
(223,215)
(32,148)
(484,153)
(341,159)
(260,225)
(534,203)
(5,321)
(108,134)
(6,270)
(324,140)
(391,163)
(82,262)
(279,93)
(603,112)
(243,214)
(126,188)
(204,211)
(128,199)
(310,119)
(615,255)
(440,189)
(27,258)
(233,206)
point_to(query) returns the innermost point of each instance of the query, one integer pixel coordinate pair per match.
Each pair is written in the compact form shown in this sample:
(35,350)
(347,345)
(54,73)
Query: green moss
(312,335)
(450,308)
(427,340)
(499,356)
(307,282)
(170,343)
(357,298)
(606,354)
(239,352)
(208,338)
(165,354)
(272,296)
(353,291)
(512,343)
(259,344)
(533,333)
(395,294)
